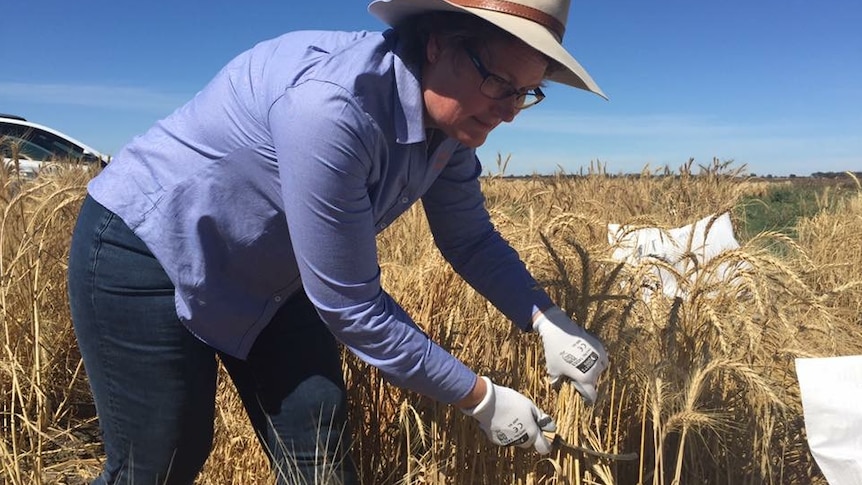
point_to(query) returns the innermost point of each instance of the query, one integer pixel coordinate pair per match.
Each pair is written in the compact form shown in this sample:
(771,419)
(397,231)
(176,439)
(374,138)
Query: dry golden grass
(703,389)
(831,239)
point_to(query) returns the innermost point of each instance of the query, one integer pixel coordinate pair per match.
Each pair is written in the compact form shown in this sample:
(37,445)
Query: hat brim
(532,33)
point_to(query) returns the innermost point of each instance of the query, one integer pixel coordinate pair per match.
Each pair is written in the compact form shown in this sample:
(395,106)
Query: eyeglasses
(495,87)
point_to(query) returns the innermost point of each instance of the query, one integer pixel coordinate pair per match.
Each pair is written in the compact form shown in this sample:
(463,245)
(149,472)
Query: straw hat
(539,23)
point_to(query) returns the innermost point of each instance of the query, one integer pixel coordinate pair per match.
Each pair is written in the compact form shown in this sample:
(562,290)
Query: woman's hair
(456,27)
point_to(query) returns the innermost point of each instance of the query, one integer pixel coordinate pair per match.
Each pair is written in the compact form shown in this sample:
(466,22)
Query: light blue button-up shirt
(278,176)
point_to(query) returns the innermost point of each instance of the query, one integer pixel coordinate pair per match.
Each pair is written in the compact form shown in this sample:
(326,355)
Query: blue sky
(775,85)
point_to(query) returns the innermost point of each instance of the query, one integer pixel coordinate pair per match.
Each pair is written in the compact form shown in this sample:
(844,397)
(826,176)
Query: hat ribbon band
(548,21)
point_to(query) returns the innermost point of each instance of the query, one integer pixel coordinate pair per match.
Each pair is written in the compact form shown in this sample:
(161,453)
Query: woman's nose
(505,109)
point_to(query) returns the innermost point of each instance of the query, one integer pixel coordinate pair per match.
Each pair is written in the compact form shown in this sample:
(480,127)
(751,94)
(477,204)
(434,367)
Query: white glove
(571,352)
(509,418)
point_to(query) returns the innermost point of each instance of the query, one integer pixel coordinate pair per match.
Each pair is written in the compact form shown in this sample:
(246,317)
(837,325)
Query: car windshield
(19,148)
(37,144)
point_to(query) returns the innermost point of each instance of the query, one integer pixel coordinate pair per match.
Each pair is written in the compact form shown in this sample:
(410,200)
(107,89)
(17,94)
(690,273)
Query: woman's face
(451,81)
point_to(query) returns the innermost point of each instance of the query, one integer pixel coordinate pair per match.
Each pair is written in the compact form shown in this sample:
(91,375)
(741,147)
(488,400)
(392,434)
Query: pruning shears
(558,441)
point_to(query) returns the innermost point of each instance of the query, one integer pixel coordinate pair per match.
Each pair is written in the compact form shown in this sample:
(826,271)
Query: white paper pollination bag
(832,405)
(702,240)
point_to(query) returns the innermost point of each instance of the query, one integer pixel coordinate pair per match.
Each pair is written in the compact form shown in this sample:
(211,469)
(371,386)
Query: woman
(243,226)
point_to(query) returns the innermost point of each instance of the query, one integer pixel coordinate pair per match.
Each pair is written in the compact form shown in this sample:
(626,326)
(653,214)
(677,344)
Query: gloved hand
(571,352)
(509,418)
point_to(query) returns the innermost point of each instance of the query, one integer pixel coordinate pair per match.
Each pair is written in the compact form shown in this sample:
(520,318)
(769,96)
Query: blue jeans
(154,382)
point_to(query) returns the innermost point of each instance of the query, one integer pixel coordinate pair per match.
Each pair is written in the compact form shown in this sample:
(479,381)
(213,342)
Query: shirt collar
(410,119)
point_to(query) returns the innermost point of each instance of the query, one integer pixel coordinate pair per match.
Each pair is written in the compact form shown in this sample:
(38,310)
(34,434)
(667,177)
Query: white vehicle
(29,147)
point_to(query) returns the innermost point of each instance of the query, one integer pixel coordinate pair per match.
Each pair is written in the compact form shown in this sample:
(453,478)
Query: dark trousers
(154,382)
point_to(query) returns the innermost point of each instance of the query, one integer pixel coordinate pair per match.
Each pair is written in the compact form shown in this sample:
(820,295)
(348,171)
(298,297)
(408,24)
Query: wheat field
(702,389)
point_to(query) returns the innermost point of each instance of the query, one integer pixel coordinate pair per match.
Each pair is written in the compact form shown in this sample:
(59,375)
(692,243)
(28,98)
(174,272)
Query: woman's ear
(432,49)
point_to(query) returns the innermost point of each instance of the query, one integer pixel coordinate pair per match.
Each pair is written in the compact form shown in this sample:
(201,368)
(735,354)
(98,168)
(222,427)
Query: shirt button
(404,200)
(277,299)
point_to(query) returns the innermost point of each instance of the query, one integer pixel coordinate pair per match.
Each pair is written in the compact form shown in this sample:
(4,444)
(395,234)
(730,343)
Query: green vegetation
(787,202)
